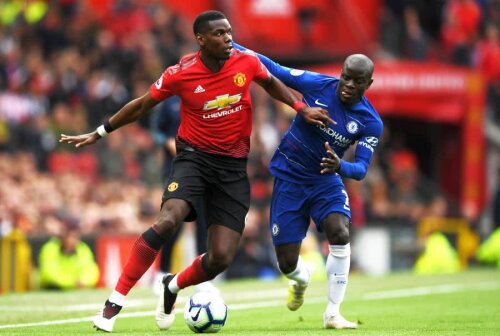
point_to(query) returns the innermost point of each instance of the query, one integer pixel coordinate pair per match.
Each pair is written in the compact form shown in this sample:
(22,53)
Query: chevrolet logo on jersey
(222,101)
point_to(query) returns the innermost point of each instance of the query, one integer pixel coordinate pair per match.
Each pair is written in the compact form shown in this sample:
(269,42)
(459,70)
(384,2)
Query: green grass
(467,303)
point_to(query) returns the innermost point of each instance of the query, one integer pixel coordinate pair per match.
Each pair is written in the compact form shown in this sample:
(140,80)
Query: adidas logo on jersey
(199,89)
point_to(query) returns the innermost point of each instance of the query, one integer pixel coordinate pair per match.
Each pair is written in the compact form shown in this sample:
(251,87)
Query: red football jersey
(216,108)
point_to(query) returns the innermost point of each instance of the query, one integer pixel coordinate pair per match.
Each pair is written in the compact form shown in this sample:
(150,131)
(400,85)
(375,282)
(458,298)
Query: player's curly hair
(205,17)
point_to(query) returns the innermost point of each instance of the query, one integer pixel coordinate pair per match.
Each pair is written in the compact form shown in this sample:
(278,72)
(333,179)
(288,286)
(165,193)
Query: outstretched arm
(278,90)
(129,113)
(299,80)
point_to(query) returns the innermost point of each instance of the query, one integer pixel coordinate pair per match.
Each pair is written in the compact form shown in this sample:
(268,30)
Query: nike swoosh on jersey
(320,104)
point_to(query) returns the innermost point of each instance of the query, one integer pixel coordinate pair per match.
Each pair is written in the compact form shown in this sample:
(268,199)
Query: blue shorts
(293,205)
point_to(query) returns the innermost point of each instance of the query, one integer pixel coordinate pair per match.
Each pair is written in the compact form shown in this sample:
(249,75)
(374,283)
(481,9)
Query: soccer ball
(205,312)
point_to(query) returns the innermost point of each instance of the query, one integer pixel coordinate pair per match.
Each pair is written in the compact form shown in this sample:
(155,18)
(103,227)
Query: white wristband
(101,131)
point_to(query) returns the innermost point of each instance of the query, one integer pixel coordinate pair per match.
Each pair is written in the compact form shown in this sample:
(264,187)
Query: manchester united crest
(173,186)
(240,79)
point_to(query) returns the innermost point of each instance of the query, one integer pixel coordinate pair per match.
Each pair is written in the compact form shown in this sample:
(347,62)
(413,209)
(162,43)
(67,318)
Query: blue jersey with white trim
(302,147)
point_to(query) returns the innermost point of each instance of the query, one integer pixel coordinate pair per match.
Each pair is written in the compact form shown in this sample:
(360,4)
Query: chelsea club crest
(275,229)
(352,127)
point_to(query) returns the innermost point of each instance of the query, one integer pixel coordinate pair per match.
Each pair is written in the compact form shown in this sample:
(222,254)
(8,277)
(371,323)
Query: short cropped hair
(205,17)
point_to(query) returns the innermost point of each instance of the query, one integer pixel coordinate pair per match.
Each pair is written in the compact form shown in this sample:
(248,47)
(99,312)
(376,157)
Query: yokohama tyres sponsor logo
(369,142)
(339,139)
(364,144)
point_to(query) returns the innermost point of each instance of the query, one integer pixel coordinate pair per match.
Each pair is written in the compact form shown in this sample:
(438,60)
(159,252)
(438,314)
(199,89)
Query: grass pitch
(467,303)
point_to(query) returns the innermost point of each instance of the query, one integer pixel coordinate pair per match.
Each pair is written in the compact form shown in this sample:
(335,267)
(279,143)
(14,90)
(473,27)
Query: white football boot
(106,317)
(165,310)
(338,322)
(296,292)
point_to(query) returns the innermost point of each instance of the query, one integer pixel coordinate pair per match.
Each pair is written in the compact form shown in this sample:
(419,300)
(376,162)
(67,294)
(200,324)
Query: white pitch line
(261,294)
(77,307)
(429,290)
(399,293)
(238,306)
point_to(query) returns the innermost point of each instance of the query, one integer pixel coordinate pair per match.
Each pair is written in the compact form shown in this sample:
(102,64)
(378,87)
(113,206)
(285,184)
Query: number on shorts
(346,204)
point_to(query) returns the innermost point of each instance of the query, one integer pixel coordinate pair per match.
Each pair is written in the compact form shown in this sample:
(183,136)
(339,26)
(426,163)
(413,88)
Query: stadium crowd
(66,70)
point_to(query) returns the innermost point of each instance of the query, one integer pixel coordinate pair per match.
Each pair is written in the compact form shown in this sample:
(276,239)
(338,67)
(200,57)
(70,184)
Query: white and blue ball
(205,312)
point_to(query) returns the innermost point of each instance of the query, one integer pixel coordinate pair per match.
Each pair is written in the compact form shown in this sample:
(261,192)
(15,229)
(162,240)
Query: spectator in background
(406,198)
(489,250)
(411,198)
(438,257)
(487,61)
(164,124)
(460,29)
(255,257)
(496,204)
(377,192)
(491,11)
(66,262)
(410,28)
(416,41)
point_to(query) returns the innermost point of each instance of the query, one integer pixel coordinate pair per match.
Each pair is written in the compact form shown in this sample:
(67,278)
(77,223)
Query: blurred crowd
(66,69)
(463,32)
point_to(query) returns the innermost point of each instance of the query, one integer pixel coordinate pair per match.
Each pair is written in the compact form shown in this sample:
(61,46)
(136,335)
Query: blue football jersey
(302,147)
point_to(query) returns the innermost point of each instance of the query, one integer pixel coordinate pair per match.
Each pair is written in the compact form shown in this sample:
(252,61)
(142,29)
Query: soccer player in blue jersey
(308,172)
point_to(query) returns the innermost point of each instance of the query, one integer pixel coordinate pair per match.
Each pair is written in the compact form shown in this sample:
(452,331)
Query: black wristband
(107,127)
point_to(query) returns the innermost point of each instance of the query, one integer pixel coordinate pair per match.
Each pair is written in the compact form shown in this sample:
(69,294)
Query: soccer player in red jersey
(212,147)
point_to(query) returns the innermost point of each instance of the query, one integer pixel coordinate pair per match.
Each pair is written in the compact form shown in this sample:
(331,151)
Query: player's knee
(288,257)
(172,214)
(336,227)
(287,264)
(165,225)
(340,236)
(219,260)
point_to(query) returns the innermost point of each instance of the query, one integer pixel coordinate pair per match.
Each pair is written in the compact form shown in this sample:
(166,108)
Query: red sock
(193,274)
(141,258)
